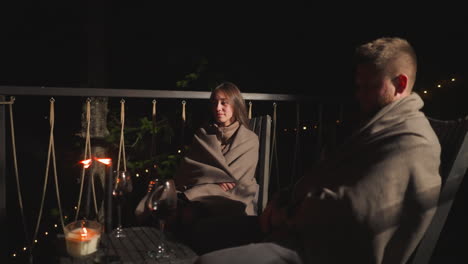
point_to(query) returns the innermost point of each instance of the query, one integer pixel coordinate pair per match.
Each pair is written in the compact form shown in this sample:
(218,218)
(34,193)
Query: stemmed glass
(162,204)
(122,186)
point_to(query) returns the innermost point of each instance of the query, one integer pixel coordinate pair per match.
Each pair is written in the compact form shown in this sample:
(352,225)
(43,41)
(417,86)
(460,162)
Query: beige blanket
(373,201)
(205,166)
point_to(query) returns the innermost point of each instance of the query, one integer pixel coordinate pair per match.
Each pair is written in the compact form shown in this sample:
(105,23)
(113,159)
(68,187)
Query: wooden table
(134,249)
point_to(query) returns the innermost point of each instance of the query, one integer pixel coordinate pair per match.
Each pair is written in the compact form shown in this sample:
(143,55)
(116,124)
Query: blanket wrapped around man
(373,201)
(212,160)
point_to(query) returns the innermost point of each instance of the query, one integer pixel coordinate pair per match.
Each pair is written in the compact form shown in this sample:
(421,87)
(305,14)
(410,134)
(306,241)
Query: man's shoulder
(421,130)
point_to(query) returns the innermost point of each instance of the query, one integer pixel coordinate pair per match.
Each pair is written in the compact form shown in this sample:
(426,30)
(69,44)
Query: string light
(46,233)
(55,225)
(24,249)
(304,128)
(146,170)
(439,86)
(337,121)
(14,255)
(453,79)
(179,151)
(35,241)
(138,175)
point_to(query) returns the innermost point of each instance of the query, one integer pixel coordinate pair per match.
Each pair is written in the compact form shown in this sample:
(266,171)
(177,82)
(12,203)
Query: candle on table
(82,240)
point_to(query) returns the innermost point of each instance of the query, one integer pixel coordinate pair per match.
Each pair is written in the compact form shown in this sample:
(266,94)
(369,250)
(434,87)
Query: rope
(12,101)
(183,110)
(153,132)
(122,141)
(274,153)
(87,153)
(250,110)
(154,109)
(182,131)
(18,186)
(51,151)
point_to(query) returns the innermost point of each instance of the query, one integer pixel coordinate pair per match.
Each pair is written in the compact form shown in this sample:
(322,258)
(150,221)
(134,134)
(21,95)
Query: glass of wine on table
(162,204)
(122,186)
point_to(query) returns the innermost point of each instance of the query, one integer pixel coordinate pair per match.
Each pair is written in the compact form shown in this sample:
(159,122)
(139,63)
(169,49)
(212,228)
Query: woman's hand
(226,186)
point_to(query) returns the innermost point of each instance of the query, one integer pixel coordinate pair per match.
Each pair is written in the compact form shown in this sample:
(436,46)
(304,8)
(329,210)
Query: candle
(82,238)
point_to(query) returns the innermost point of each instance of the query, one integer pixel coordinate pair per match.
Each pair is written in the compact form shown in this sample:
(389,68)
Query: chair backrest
(453,138)
(261,125)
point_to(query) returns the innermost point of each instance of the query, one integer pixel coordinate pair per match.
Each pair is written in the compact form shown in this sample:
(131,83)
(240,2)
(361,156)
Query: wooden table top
(134,248)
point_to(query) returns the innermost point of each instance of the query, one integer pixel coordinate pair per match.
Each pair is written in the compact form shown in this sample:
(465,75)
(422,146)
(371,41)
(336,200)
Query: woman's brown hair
(236,100)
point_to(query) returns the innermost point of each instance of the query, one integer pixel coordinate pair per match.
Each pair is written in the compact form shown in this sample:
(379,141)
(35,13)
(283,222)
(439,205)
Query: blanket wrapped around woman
(220,155)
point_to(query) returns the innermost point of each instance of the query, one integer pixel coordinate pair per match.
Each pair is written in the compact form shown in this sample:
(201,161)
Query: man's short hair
(389,55)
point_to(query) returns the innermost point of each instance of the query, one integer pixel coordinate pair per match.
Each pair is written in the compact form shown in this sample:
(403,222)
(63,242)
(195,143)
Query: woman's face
(222,109)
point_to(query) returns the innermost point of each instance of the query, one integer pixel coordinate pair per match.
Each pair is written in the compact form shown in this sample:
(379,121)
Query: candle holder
(82,237)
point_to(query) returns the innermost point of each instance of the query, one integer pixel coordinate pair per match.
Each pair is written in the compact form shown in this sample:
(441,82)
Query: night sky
(275,48)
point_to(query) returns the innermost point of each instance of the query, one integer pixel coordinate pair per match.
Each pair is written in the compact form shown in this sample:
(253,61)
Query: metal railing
(123,93)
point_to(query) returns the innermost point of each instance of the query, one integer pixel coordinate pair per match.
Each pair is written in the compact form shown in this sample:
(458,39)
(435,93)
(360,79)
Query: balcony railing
(18,91)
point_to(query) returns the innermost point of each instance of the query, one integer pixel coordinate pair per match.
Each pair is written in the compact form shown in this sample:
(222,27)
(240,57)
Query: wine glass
(122,186)
(162,204)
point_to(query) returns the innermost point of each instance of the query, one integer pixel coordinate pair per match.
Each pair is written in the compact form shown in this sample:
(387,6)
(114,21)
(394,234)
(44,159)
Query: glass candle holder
(82,237)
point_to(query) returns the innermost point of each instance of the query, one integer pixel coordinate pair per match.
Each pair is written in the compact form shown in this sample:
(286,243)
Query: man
(372,201)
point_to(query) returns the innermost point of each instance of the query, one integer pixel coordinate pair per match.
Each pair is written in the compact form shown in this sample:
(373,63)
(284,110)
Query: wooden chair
(453,138)
(261,125)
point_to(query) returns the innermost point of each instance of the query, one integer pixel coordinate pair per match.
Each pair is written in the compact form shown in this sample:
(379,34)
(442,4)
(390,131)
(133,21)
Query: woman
(218,172)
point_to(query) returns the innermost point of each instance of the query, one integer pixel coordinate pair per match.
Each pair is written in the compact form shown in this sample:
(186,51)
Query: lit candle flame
(86,163)
(106,161)
(84,233)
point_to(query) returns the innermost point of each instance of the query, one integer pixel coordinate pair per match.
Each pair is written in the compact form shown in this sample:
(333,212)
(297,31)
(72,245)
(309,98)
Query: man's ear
(401,84)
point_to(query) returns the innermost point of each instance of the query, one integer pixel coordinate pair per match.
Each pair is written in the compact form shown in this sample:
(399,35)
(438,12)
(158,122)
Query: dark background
(274,48)
(292,48)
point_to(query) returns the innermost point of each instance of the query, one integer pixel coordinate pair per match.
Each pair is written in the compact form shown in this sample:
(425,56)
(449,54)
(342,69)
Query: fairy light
(453,79)
(24,249)
(46,233)
(14,254)
(146,170)
(138,175)
(285,130)
(304,127)
(35,241)
(337,121)
(65,217)
(55,225)
(179,151)
(439,86)
(425,91)
(315,126)
(76,207)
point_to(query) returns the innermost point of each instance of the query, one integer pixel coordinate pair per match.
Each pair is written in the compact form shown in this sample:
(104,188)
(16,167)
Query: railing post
(3,222)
